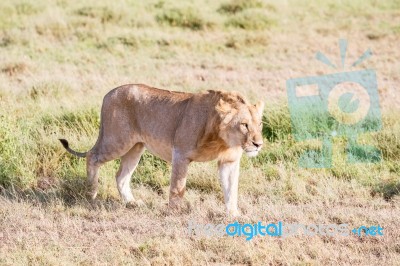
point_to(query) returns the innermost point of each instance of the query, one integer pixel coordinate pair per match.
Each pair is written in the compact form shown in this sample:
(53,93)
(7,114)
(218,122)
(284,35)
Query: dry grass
(58,59)
(53,232)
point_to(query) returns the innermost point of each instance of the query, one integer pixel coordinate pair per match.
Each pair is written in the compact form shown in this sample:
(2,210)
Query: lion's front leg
(229,177)
(178,180)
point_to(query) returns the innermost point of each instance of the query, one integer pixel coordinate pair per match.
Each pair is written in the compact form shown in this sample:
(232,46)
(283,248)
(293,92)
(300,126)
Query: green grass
(251,20)
(236,6)
(25,161)
(184,18)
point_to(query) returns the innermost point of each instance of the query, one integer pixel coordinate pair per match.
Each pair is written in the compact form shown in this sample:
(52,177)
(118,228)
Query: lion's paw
(233,213)
(133,204)
(179,206)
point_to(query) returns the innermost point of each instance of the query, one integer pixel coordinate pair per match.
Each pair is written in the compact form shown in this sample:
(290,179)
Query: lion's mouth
(251,151)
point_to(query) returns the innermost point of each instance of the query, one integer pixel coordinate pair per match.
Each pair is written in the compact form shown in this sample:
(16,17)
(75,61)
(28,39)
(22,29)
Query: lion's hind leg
(129,162)
(101,154)
(92,168)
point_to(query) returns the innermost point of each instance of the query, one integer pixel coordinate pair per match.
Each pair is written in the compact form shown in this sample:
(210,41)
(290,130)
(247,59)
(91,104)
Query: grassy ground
(59,58)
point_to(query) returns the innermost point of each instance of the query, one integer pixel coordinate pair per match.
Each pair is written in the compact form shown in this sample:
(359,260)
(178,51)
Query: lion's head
(240,122)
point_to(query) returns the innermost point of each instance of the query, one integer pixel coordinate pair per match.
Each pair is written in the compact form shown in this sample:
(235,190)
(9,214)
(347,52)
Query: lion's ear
(260,108)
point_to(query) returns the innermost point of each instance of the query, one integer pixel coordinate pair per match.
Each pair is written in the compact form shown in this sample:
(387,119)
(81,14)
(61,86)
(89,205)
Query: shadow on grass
(68,193)
(388,189)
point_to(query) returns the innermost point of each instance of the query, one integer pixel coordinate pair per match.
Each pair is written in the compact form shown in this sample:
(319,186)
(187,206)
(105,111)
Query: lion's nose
(258,144)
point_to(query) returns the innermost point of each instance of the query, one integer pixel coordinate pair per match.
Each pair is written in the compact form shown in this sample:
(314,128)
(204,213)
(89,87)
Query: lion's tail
(64,142)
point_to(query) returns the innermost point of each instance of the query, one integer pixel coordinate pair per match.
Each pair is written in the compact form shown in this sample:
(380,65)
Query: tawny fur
(179,128)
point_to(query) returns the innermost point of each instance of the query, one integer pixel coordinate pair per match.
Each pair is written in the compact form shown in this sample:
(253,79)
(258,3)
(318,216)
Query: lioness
(178,127)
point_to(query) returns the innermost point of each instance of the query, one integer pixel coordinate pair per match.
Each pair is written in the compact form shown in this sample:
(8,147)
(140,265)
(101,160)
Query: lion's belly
(204,156)
(160,149)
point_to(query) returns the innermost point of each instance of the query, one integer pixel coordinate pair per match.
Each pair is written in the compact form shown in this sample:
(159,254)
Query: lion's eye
(245,125)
